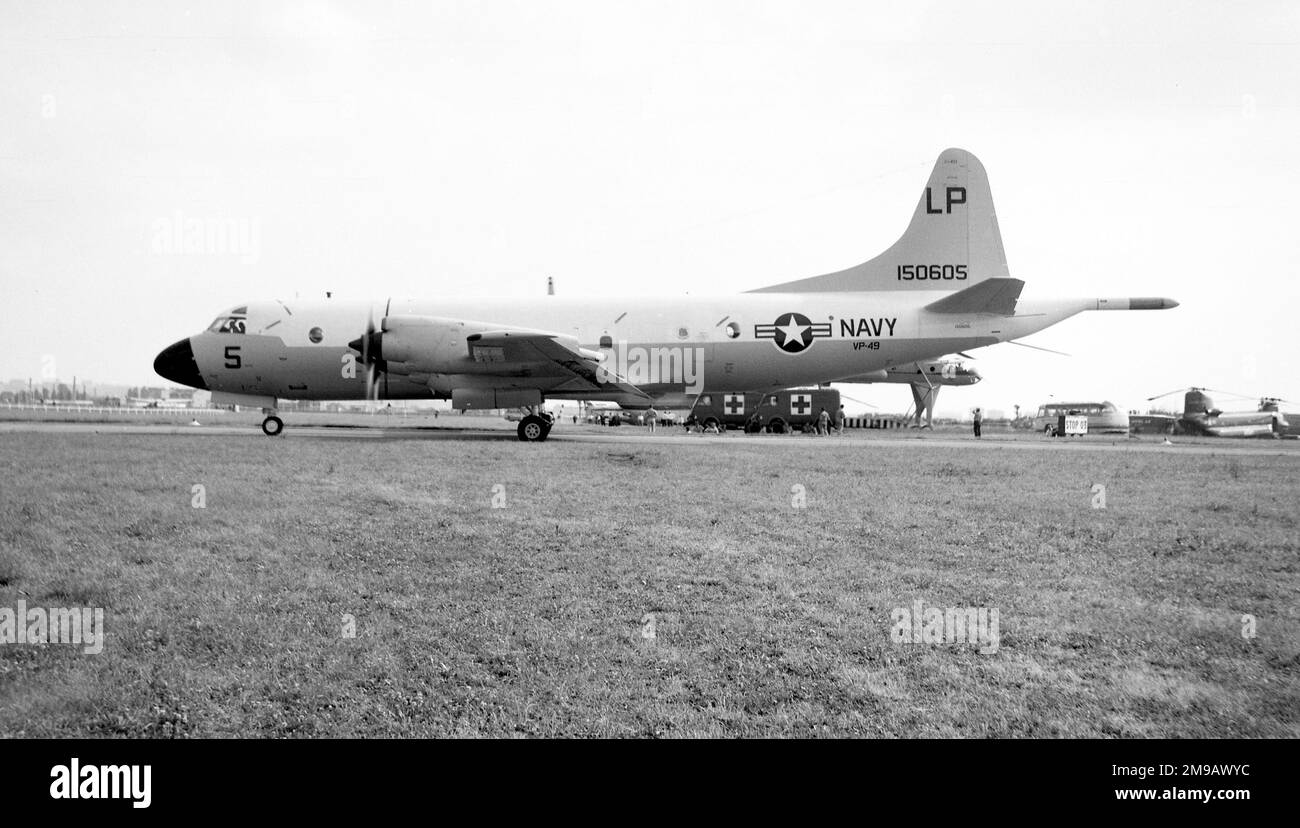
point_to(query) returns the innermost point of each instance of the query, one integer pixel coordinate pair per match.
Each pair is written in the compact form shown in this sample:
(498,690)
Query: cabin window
(607,341)
(706,400)
(316,335)
(733,330)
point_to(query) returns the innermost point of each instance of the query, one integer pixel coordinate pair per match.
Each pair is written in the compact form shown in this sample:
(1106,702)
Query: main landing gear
(534,428)
(272,426)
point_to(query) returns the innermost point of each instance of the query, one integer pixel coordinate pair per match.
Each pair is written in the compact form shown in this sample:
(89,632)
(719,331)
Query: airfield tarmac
(612,583)
(863,439)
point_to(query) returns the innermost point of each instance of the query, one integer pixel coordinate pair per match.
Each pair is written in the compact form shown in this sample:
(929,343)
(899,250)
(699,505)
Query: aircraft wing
(989,296)
(515,348)
(553,362)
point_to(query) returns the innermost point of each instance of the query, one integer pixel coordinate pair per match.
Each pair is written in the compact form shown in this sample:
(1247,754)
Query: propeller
(1196,388)
(1170,393)
(370,346)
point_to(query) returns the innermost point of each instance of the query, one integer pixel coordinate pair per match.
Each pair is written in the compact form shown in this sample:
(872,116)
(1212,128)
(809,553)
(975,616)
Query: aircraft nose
(176,363)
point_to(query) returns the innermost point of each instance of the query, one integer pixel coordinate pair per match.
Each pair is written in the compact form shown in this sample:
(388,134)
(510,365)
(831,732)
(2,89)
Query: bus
(1102,416)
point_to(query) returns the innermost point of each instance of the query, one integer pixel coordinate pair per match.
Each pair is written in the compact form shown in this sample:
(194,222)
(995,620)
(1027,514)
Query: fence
(873,422)
(107,409)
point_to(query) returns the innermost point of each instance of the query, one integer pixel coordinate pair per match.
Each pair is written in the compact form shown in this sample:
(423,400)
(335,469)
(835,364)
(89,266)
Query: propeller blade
(370,346)
(1228,393)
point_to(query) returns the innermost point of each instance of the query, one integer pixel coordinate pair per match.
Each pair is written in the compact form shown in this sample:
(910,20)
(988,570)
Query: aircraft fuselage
(752,342)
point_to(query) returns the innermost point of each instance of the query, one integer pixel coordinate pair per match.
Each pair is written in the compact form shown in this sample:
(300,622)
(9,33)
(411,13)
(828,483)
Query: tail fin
(952,243)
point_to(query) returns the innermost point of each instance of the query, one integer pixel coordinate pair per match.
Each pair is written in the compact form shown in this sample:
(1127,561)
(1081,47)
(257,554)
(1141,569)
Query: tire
(712,422)
(777,426)
(1049,431)
(532,429)
(272,426)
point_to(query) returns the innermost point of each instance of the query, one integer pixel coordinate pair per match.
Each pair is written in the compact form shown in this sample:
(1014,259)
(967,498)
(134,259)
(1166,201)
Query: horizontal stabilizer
(989,296)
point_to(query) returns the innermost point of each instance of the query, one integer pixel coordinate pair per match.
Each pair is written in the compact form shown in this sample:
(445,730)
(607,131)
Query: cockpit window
(227,324)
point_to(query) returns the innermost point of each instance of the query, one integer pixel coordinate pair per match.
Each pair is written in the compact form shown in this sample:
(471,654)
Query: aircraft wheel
(272,426)
(533,429)
(777,427)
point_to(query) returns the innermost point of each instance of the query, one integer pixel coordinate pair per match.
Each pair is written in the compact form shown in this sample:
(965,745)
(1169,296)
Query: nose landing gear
(272,426)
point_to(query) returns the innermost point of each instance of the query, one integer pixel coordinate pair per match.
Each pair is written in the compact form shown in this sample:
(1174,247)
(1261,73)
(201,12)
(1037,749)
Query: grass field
(535,618)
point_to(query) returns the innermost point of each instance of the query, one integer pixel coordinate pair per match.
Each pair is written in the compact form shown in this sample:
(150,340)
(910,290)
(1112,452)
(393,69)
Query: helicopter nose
(176,363)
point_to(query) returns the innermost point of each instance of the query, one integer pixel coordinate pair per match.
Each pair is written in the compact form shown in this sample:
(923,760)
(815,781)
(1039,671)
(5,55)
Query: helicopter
(1201,417)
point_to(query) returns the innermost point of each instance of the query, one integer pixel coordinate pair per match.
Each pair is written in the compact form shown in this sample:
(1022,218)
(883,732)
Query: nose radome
(177,364)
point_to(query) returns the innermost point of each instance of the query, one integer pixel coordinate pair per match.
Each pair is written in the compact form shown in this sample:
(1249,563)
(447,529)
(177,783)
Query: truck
(779,412)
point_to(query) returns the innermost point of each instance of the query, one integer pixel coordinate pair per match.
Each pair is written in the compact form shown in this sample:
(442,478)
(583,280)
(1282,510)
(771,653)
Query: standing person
(979,419)
(652,418)
(839,420)
(823,422)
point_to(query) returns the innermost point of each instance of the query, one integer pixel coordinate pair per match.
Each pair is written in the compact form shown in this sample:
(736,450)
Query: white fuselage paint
(859,332)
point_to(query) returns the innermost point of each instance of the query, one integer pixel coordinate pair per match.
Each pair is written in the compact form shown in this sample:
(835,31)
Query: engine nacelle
(425,344)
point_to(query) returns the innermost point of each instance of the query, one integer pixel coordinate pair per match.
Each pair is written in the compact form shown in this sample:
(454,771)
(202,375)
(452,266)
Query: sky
(474,149)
